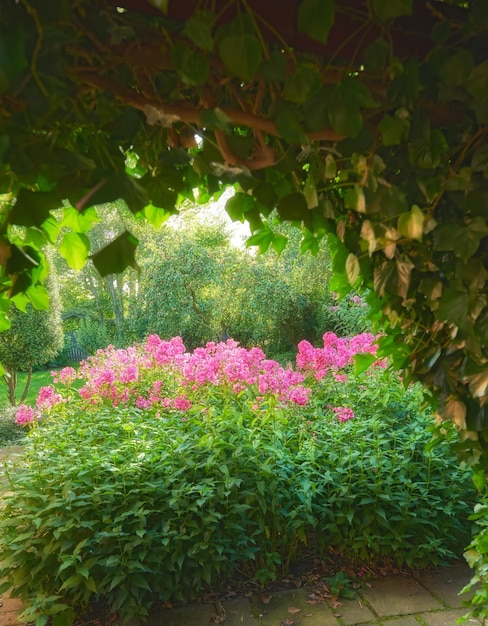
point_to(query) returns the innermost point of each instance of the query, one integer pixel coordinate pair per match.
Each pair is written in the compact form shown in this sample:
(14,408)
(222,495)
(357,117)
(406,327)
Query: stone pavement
(430,599)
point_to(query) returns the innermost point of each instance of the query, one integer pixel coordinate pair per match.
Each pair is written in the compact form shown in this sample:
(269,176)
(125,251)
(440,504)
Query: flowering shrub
(163,375)
(180,468)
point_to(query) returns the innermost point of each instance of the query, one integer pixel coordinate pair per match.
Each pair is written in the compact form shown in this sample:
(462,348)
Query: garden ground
(427,599)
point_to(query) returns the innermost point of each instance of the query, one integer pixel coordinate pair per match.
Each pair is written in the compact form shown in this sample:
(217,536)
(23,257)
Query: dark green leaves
(241,54)
(391,9)
(316,18)
(33,208)
(12,56)
(117,256)
(198,28)
(292,207)
(239,204)
(463,240)
(190,64)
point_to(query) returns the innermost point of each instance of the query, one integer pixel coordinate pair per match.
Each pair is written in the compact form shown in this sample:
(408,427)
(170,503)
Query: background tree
(34,338)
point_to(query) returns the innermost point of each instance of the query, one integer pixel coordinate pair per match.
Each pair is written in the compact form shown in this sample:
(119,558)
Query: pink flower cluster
(26,415)
(123,376)
(337,353)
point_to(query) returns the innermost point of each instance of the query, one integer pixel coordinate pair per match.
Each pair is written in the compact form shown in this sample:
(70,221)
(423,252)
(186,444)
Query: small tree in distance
(34,338)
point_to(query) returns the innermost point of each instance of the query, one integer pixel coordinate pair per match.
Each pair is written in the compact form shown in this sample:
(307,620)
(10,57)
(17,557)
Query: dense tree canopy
(363,121)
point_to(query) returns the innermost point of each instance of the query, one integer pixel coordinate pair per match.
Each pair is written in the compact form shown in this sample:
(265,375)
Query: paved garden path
(430,599)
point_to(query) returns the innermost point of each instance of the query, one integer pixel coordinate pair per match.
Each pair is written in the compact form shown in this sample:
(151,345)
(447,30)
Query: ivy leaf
(352,268)
(159,192)
(362,361)
(198,28)
(239,204)
(477,378)
(38,296)
(32,208)
(477,83)
(391,9)
(411,224)
(117,185)
(79,221)
(262,239)
(156,215)
(302,84)
(453,307)
(191,65)
(392,130)
(463,240)
(74,247)
(354,199)
(265,195)
(241,54)
(279,243)
(292,207)
(376,55)
(316,18)
(117,256)
(289,126)
(456,69)
(214,119)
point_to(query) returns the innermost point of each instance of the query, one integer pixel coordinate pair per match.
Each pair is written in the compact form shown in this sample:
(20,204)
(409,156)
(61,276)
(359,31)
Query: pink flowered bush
(161,375)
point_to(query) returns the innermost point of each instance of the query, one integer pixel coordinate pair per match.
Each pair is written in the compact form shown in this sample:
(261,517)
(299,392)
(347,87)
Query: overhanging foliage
(364,122)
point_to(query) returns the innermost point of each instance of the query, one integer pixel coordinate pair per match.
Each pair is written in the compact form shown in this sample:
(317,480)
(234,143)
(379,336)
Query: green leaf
(362,362)
(376,55)
(156,215)
(411,224)
(263,239)
(38,296)
(352,268)
(117,256)
(316,18)
(463,240)
(79,221)
(279,243)
(392,130)
(354,199)
(302,84)
(192,67)
(198,28)
(289,126)
(160,192)
(75,247)
(115,186)
(392,8)
(456,69)
(292,207)
(13,59)
(241,54)
(239,204)
(214,119)
(453,307)
(330,167)
(265,195)
(32,208)
(477,83)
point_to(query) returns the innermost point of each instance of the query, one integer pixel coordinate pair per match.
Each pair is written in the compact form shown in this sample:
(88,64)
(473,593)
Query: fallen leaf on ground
(293,610)
(266,599)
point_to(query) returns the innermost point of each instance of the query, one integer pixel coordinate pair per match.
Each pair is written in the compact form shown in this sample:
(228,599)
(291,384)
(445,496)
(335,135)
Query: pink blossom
(300,395)
(343,413)
(26,415)
(182,403)
(47,398)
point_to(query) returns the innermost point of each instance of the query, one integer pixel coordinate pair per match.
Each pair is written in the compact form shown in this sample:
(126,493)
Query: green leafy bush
(166,494)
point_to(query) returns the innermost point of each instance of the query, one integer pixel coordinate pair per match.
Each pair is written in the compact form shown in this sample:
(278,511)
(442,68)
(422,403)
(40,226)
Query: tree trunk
(10,379)
(27,385)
